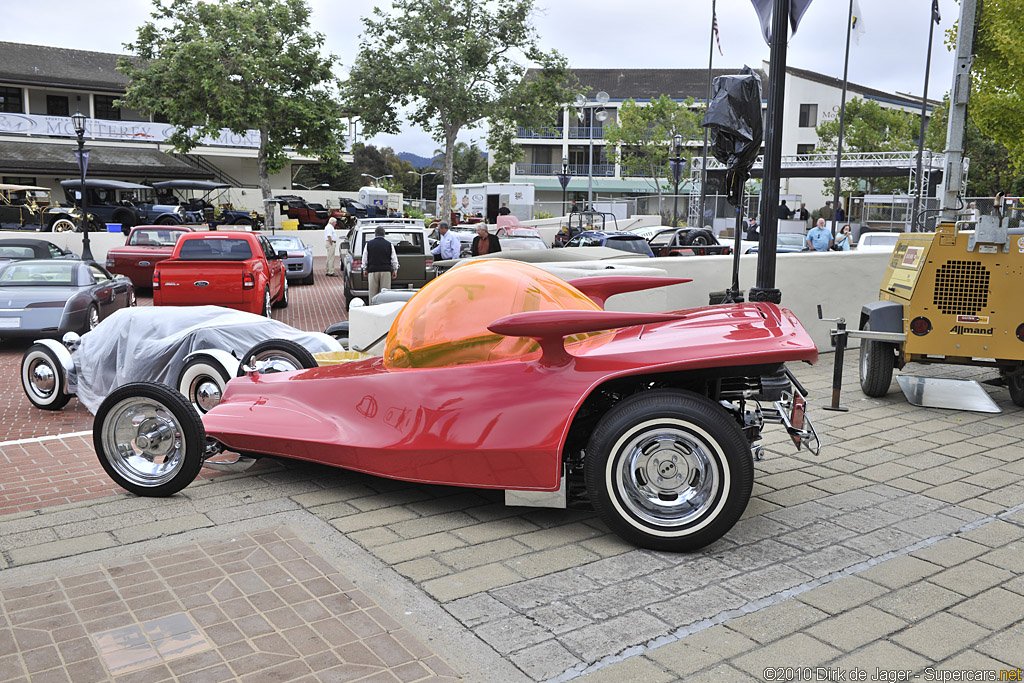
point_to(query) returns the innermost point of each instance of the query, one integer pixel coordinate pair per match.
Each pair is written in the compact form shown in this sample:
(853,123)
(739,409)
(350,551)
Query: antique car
(297,256)
(582,221)
(238,270)
(499,375)
(310,215)
(623,241)
(48,297)
(194,349)
(145,246)
(686,242)
(30,207)
(17,249)
(199,198)
(128,204)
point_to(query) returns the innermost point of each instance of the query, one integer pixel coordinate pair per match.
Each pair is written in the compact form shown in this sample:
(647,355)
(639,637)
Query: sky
(890,55)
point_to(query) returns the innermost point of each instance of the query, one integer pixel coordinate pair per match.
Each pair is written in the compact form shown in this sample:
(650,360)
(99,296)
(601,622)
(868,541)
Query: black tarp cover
(734,117)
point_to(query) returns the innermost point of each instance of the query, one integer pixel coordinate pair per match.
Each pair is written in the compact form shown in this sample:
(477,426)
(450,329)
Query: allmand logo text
(961,329)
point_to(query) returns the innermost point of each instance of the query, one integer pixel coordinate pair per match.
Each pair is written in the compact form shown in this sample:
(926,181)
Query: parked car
(652,414)
(686,242)
(239,270)
(412,246)
(310,215)
(519,242)
(48,297)
(787,243)
(198,199)
(623,241)
(877,241)
(145,246)
(194,349)
(17,249)
(30,207)
(297,255)
(116,201)
(584,221)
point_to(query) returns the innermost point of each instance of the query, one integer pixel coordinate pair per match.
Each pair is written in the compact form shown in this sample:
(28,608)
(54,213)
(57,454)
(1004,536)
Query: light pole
(78,121)
(596,112)
(423,204)
(376,178)
(321,186)
(563,179)
(676,164)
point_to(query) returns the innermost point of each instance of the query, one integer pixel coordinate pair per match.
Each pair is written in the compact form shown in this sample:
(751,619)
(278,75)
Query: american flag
(714,27)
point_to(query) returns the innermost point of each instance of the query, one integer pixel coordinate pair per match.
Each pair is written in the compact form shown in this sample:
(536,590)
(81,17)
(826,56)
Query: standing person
(380,262)
(820,237)
(575,208)
(843,239)
(840,213)
(785,213)
(330,238)
(504,210)
(826,211)
(484,242)
(997,206)
(449,246)
(753,230)
(805,215)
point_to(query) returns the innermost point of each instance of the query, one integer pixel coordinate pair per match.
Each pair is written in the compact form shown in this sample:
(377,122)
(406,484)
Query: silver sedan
(298,260)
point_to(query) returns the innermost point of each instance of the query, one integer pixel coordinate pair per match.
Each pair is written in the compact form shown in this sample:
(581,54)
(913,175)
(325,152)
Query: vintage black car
(129,204)
(199,199)
(30,207)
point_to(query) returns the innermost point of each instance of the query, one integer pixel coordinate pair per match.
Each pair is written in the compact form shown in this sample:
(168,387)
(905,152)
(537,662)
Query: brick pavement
(899,547)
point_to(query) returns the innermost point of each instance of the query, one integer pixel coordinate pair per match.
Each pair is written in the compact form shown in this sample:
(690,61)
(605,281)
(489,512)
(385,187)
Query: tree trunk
(444,207)
(264,179)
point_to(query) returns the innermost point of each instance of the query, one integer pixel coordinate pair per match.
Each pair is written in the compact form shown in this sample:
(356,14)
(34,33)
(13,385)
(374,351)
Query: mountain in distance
(422,162)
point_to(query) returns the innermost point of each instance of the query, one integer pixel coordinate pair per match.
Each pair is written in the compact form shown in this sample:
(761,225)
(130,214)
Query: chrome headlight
(180,211)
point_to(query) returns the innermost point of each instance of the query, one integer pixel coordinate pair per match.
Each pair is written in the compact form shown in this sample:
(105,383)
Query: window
(10,100)
(19,180)
(57,105)
(98,275)
(55,251)
(105,109)
(805,149)
(808,115)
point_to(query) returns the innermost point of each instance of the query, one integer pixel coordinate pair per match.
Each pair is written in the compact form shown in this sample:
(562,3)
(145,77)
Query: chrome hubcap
(275,361)
(42,378)
(206,393)
(94,319)
(667,477)
(143,442)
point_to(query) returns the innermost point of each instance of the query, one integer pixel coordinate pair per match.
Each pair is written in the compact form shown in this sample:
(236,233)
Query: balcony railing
(575,170)
(547,132)
(584,133)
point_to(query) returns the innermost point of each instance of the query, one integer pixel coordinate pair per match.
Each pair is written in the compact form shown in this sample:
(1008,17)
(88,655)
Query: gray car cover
(151,344)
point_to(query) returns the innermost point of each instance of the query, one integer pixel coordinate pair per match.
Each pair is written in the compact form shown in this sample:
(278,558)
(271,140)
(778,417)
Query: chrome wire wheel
(666,475)
(93,319)
(63,225)
(142,441)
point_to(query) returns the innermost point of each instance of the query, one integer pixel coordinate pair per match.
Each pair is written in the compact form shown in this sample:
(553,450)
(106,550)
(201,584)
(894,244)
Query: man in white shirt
(376,263)
(449,247)
(329,242)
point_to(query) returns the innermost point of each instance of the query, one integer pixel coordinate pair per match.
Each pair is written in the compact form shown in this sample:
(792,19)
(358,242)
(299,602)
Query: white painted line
(37,439)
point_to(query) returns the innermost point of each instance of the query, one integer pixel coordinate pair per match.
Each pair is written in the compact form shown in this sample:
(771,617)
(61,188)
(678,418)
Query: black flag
(936,17)
(764,13)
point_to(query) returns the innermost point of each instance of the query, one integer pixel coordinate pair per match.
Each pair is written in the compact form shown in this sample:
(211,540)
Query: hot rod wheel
(149,439)
(277,355)
(42,378)
(202,382)
(669,470)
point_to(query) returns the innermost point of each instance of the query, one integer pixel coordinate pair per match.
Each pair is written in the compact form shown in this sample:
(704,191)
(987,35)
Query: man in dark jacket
(484,242)
(785,213)
(380,262)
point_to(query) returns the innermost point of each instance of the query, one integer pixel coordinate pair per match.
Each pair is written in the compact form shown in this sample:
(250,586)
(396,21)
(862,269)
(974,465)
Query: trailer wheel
(669,470)
(1015,383)
(877,360)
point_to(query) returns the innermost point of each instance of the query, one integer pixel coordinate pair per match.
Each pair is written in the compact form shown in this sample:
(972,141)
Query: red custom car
(145,247)
(500,375)
(239,270)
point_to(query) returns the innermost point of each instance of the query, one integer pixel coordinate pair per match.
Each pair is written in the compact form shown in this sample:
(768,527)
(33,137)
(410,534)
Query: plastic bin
(290,224)
(113,227)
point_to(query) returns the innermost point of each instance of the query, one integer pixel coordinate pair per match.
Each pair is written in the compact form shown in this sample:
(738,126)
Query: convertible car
(48,297)
(500,375)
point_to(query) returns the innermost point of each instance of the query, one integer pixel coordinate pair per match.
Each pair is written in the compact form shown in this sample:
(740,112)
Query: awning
(601,184)
(31,158)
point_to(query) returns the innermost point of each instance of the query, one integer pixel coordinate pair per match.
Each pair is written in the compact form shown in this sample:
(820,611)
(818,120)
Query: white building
(811,98)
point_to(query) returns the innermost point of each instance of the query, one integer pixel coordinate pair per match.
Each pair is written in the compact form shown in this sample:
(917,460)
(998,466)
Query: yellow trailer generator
(953,296)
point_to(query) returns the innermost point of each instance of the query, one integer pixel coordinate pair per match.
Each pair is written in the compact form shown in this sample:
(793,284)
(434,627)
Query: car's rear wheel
(126,219)
(149,439)
(283,302)
(166,220)
(202,382)
(42,378)
(877,360)
(63,225)
(669,470)
(242,221)
(266,302)
(277,355)
(309,279)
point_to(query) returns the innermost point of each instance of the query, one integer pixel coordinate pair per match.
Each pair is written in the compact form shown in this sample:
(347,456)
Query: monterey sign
(100,129)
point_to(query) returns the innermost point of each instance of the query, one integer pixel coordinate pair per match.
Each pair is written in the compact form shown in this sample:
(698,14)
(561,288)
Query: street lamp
(563,179)
(677,164)
(78,122)
(423,204)
(596,112)
(376,178)
(321,186)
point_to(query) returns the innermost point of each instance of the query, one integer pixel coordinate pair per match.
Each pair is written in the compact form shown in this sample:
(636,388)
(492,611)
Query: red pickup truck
(145,247)
(239,270)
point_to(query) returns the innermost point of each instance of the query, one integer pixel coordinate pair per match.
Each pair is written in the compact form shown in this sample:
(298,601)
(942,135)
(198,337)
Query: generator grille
(961,288)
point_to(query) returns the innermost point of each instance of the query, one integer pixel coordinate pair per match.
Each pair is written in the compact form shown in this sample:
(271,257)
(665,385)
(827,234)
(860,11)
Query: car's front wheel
(277,355)
(63,225)
(202,382)
(283,302)
(669,470)
(266,302)
(42,378)
(149,439)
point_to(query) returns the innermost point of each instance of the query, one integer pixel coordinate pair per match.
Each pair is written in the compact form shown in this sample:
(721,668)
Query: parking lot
(898,548)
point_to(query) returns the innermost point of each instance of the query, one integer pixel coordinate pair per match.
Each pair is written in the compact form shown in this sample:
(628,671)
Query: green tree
(469,165)
(339,177)
(380,161)
(870,127)
(240,65)
(451,64)
(997,91)
(642,137)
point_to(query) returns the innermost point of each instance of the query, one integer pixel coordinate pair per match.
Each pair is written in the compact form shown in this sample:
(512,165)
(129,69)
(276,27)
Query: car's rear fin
(601,288)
